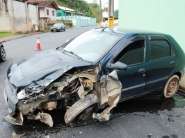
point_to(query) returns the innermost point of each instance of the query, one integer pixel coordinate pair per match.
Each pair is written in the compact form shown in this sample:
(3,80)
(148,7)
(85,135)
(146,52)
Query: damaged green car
(95,71)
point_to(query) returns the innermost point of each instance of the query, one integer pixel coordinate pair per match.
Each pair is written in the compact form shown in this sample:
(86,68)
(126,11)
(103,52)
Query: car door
(132,78)
(160,62)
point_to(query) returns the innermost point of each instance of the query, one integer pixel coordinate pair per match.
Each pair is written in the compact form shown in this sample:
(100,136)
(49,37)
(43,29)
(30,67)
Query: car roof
(129,33)
(58,24)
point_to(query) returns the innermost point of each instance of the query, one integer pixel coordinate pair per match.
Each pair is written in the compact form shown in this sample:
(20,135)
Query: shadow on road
(141,105)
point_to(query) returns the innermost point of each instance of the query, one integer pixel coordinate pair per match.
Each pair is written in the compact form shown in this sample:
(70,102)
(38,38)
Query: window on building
(53,13)
(47,11)
(159,49)
(133,53)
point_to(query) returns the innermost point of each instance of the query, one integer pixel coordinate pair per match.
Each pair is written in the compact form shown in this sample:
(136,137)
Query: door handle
(141,70)
(172,62)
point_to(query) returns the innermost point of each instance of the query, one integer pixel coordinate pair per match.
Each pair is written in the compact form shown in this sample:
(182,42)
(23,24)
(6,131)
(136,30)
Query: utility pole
(27,16)
(111,14)
(100,11)
(111,8)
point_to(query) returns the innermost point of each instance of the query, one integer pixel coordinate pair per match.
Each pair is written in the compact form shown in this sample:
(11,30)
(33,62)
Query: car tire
(171,86)
(85,116)
(2,54)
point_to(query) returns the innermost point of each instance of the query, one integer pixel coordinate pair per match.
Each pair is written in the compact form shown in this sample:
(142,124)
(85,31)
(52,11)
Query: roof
(44,3)
(66,8)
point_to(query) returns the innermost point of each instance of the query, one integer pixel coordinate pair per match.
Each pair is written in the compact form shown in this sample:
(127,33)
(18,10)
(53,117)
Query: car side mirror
(118,65)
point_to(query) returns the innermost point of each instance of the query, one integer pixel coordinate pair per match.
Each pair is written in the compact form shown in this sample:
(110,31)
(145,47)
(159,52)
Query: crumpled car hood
(42,65)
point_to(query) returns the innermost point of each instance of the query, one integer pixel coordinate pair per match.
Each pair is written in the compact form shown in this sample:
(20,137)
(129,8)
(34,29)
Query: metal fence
(79,21)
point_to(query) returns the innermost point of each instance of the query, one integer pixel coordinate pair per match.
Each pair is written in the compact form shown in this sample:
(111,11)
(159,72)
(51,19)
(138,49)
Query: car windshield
(57,25)
(92,45)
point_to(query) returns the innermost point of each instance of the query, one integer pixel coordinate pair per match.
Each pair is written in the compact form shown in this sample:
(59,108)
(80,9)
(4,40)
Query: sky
(105,3)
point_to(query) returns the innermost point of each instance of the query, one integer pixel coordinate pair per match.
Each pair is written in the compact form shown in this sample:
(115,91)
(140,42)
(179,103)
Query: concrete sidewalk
(18,36)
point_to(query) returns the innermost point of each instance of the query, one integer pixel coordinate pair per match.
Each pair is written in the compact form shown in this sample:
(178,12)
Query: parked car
(2,53)
(94,72)
(58,27)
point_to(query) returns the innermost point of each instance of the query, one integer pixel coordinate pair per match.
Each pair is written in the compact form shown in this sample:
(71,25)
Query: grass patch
(5,34)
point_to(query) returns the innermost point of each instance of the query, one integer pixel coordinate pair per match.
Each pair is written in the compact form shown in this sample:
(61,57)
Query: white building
(47,10)
(18,16)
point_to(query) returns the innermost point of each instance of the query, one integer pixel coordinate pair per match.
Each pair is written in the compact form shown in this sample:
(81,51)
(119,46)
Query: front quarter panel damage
(77,90)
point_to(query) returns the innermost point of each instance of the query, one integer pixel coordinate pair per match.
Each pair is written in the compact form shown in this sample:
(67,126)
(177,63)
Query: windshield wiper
(65,44)
(72,53)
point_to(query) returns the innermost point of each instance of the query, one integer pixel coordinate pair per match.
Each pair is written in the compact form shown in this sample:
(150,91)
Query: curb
(18,36)
(25,35)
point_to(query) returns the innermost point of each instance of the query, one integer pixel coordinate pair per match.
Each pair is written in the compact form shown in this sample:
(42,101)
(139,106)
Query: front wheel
(171,86)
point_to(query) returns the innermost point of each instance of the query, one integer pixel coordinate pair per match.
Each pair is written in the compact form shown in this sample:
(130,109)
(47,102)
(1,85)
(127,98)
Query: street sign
(111,22)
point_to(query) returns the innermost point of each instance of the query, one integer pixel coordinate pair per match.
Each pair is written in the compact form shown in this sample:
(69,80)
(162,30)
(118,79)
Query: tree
(81,6)
(4,5)
(96,11)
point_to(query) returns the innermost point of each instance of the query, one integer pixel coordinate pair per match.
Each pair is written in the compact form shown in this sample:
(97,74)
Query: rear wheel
(2,54)
(171,86)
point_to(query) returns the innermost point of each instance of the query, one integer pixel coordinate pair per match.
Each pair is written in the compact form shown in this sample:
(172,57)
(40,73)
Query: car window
(58,25)
(133,53)
(159,49)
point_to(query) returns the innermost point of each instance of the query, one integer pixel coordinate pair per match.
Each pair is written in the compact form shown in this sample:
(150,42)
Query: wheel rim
(172,87)
(3,54)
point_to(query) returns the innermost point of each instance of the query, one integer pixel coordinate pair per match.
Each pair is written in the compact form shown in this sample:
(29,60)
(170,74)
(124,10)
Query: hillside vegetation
(92,10)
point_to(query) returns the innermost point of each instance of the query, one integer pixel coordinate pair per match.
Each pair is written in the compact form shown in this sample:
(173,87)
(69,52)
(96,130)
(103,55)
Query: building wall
(5,25)
(2,7)
(4,18)
(24,17)
(20,16)
(42,12)
(51,15)
(166,16)
(33,14)
(48,12)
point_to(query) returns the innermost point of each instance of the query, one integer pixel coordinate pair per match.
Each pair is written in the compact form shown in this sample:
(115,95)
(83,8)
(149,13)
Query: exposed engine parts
(74,92)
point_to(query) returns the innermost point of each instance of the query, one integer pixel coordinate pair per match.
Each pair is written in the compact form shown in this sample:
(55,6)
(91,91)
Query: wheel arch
(178,74)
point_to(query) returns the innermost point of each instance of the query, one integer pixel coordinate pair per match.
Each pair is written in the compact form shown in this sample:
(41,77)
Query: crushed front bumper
(10,96)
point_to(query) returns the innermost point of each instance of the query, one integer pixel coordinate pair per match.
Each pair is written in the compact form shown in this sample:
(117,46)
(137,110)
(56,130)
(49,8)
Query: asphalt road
(147,117)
